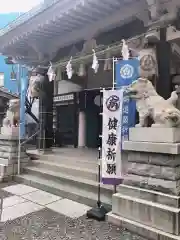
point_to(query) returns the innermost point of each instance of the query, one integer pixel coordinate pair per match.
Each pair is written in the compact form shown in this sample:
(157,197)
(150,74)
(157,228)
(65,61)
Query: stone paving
(31,214)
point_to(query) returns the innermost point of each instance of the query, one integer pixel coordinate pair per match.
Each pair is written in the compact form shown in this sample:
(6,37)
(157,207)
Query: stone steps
(59,176)
(152,214)
(71,161)
(66,169)
(76,189)
(70,173)
(65,153)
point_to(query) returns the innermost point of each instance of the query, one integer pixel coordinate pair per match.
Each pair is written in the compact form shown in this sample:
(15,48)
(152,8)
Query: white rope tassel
(51,74)
(95,64)
(125,50)
(69,70)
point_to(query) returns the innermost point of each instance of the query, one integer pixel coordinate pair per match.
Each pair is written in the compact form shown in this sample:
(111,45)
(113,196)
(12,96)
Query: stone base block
(171,148)
(10,131)
(151,183)
(157,159)
(148,202)
(7,172)
(151,214)
(9,157)
(156,135)
(153,171)
(150,195)
(140,229)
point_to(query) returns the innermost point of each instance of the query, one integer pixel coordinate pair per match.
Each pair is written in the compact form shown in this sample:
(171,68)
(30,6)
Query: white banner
(111,136)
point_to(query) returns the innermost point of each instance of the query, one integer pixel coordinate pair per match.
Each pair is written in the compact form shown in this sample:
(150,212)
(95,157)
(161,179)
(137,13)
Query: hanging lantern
(69,70)
(82,70)
(148,62)
(95,64)
(13,74)
(108,61)
(59,74)
(88,46)
(125,50)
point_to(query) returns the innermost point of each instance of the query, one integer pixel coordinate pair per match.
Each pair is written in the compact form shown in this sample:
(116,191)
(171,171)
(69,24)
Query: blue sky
(18,5)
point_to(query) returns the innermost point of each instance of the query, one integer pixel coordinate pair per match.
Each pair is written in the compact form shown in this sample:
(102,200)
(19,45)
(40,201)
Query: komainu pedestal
(9,140)
(9,157)
(148,201)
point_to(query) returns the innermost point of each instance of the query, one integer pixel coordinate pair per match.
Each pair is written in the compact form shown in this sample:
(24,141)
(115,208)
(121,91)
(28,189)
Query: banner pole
(19,140)
(113,74)
(115,190)
(99,212)
(19,150)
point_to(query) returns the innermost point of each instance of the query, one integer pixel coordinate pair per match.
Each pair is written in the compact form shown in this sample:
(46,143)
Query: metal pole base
(98,213)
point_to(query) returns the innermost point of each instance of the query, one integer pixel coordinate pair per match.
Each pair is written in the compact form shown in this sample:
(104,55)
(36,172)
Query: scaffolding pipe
(19,140)
(19,151)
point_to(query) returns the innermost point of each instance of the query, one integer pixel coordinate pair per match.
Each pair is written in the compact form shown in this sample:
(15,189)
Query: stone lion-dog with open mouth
(150,104)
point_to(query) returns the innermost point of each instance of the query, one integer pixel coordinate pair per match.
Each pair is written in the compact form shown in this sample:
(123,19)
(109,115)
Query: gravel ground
(48,225)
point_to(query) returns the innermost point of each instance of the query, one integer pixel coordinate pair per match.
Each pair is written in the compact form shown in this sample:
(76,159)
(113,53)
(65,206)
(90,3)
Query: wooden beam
(89,31)
(32,23)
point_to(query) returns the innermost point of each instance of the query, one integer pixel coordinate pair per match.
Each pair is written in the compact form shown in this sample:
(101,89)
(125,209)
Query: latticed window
(13,76)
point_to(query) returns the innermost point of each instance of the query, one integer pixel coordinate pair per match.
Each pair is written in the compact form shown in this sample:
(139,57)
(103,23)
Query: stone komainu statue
(35,86)
(150,104)
(13,114)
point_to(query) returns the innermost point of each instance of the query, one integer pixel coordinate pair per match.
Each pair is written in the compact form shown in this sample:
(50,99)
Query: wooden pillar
(46,113)
(82,129)
(76,121)
(163,50)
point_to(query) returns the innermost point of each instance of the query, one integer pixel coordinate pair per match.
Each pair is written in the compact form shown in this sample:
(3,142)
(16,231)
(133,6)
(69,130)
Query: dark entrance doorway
(66,133)
(93,119)
(65,124)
